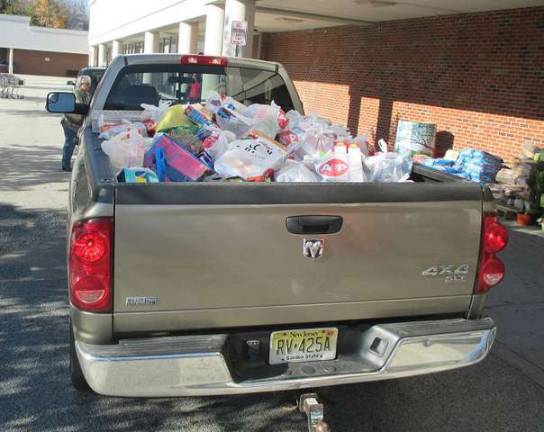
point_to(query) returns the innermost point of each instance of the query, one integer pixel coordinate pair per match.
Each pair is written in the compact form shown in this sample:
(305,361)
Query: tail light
(491,269)
(203,60)
(90,265)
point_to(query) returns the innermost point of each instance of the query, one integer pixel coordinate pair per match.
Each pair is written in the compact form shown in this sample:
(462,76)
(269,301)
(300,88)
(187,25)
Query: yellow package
(174,117)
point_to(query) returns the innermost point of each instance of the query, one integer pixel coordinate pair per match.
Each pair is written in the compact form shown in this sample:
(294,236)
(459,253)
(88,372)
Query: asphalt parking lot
(503,393)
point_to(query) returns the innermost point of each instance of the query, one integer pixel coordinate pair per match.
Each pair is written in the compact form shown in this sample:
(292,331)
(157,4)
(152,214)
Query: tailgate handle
(314,224)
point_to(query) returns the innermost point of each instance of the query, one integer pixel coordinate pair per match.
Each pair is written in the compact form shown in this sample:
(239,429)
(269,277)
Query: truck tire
(76,374)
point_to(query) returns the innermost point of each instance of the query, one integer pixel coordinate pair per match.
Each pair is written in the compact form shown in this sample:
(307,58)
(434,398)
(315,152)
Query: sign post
(238,35)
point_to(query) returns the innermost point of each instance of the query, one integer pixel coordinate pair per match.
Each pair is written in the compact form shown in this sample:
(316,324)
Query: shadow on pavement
(24,167)
(36,394)
(29,113)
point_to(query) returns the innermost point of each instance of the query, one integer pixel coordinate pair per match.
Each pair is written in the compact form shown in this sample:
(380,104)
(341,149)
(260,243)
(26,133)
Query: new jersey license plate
(303,345)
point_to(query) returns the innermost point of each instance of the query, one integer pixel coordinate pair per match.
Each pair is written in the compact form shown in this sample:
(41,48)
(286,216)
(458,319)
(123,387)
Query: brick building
(479,77)
(25,49)
(475,69)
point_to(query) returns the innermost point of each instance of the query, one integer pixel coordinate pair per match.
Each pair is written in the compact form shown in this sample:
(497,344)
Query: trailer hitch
(309,405)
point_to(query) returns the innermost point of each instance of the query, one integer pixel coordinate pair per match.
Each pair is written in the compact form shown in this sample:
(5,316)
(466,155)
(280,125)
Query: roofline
(26,19)
(62,31)
(19,18)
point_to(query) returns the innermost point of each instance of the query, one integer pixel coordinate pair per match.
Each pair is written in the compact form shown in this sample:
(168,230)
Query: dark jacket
(74,121)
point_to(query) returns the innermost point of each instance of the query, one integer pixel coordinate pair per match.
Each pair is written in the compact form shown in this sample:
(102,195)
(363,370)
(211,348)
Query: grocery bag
(125,150)
(251,157)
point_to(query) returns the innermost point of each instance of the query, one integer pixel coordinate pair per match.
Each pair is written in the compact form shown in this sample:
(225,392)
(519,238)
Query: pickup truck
(198,288)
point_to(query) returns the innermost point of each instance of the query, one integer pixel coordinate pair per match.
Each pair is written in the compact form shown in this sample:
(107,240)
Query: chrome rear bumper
(197,365)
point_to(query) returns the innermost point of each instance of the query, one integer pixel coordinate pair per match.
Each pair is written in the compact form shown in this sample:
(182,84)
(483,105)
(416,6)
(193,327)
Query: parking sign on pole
(238,33)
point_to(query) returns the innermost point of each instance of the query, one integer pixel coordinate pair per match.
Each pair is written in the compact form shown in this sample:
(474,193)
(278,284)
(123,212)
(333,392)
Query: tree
(49,13)
(78,14)
(15,7)
(72,14)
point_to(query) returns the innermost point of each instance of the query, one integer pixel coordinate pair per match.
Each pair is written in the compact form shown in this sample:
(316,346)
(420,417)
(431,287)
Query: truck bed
(199,256)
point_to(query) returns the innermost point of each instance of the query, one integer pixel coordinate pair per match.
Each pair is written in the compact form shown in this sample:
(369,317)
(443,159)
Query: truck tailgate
(191,256)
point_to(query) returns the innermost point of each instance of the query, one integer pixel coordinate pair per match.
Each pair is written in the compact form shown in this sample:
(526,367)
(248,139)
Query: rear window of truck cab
(150,84)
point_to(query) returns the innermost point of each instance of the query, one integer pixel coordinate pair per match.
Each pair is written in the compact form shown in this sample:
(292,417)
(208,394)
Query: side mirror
(71,83)
(61,102)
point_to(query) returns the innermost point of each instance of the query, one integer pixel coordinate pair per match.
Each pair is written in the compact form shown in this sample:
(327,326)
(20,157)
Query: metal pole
(10,67)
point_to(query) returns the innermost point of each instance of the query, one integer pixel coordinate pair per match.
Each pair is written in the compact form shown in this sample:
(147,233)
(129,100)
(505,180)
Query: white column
(239,10)
(92,52)
(151,42)
(194,39)
(10,61)
(115,49)
(102,61)
(213,39)
(185,35)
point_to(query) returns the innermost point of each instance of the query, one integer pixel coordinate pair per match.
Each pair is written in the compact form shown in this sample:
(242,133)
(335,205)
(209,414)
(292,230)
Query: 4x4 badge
(312,248)
(448,272)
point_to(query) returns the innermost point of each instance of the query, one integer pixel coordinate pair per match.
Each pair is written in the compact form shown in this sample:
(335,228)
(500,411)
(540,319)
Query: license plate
(303,345)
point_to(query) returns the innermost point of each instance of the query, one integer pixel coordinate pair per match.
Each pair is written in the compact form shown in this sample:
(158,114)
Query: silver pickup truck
(181,289)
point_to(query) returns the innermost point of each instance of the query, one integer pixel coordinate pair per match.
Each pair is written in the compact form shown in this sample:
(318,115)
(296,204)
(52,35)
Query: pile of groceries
(223,140)
(471,164)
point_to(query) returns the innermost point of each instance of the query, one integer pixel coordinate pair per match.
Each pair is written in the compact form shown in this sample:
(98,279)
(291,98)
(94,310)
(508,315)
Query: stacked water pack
(477,165)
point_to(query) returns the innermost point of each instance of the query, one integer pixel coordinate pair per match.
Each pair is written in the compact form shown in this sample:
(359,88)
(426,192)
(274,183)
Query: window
(191,84)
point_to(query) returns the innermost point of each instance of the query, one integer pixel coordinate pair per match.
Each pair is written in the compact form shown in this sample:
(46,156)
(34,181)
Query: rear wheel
(76,374)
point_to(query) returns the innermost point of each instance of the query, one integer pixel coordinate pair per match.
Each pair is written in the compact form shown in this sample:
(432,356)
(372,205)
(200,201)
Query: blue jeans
(70,141)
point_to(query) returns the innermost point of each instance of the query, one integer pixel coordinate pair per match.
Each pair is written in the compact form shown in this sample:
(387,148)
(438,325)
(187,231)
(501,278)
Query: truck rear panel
(193,256)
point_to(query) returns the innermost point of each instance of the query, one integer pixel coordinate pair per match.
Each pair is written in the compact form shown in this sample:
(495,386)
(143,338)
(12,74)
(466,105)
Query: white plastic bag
(231,120)
(155,113)
(218,143)
(124,128)
(389,167)
(249,158)
(264,118)
(213,101)
(295,172)
(125,150)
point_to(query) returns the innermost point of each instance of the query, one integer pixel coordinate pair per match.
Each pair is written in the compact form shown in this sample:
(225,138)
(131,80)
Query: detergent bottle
(355,163)
(341,154)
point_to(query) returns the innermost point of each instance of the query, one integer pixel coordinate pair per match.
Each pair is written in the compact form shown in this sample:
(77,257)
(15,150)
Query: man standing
(72,122)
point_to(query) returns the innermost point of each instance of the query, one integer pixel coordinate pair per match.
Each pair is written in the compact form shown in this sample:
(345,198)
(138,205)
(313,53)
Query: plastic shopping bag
(250,158)
(389,167)
(125,150)
(265,118)
(155,113)
(124,128)
(295,172)
(231,120)
(172,118)
(217,142)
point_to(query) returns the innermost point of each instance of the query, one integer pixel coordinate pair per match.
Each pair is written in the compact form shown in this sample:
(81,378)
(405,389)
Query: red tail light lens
(495,235)
(203,60)
(491,272)
(491,269)
(90,265)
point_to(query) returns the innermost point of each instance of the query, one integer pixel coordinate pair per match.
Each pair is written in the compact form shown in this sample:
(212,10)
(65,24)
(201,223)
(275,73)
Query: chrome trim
(197,366)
